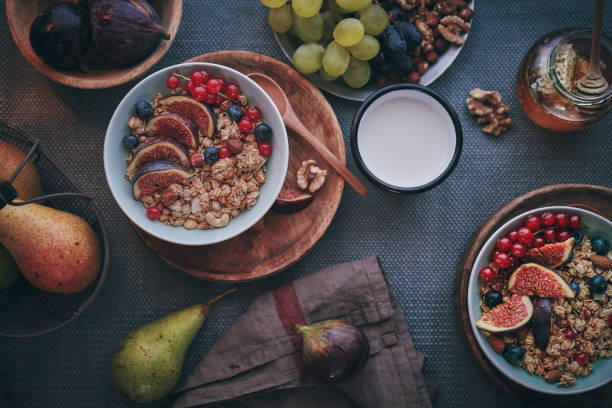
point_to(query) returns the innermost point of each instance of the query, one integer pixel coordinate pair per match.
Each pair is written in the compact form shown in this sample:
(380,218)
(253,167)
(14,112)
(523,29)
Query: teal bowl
(115,155)
(592,225)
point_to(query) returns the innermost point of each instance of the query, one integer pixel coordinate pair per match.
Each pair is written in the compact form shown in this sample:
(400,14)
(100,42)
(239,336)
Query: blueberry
(130,141)
(577,235)
(211,155)
(235,112)
(393,41)
(411,34)
(380,62)
(513,353)
(144,109)
(575,286)
(600,245)
(263,132)
(402,65)
(493,298)
(396,14)
(598,284)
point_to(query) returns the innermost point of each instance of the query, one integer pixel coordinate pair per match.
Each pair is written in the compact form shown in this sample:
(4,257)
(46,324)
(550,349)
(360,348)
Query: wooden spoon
(593,82)
(281,101)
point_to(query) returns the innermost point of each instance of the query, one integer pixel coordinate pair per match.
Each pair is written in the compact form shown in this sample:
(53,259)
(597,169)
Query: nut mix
(570,327)
(197,157)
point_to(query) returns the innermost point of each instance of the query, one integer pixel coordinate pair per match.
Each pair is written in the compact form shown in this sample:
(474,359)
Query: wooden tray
(279,240)
(593,198)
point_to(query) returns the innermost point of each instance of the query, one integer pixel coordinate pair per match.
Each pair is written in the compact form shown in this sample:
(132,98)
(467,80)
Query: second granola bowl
(115,154)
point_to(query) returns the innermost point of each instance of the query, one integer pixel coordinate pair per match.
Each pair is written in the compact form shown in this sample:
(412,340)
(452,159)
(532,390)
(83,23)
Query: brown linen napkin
(257,362)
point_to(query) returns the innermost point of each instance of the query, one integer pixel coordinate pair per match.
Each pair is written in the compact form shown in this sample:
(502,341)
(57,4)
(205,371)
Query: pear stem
(219,296)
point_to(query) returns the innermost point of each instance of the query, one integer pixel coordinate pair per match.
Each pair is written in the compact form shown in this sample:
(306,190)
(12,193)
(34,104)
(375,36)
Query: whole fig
(125,31)
(540,322)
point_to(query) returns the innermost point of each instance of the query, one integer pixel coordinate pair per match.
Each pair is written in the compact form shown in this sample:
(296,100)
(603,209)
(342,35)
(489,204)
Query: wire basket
(26,311)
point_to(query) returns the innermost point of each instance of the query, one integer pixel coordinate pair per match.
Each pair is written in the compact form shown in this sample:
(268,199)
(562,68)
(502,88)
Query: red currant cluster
(203,88)
(536,232)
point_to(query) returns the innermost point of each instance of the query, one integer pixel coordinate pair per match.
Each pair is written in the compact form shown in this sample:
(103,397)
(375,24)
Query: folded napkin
(257,362)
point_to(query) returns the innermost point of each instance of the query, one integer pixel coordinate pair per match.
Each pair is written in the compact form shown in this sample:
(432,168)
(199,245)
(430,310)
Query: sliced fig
(540,322)
(195,111)
(291,201)
(551,255)
(157,175)
(159,149)
(533,279)
(507,316)
(175,127)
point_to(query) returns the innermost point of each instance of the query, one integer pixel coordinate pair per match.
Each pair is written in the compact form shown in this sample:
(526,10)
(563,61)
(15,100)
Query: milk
(406,138)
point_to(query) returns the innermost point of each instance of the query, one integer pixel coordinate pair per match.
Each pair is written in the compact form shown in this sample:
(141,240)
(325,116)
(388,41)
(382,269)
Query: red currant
(547,219)
(197,78)
(222,84)
(550,235)
(205,76)
(211,99)
(172,82)
(562,220)
(502,260)
(581,358)
(265,148)
(574,222)
(199,93)
(568,333)
(563,235)
(494,254)
(533,223)
(232,91)
(504,244)
(153,213)
(512,235)
(224,153)
(513,263)
(486,275)
(610,320)
(213,86)
(538,242)
(253,113)
(519,250)
(188,87)
(524,235)
(245,125)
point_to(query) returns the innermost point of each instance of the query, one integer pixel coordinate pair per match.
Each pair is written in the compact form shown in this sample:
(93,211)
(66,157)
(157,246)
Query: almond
(553,376)
(497,343)
(602,261)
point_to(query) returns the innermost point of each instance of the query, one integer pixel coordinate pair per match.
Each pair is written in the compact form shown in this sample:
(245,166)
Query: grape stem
(333,13)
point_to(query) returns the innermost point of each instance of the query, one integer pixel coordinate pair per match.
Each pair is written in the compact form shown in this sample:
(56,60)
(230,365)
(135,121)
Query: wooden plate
(594,198)
(278,240)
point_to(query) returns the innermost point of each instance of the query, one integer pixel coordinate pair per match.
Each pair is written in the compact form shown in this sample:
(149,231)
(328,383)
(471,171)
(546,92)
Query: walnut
(408,4)
(491,112)
(452,28)
(137,125)
(310,176)
(427,43)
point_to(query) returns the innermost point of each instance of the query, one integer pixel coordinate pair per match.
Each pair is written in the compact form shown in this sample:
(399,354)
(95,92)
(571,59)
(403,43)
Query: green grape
(357,74)
(374,19)
(336,59)
(308,29)
(306,8)
(336,8)
(325,76)
(328,27)
(307,58)
(280,18)
(273,3)
(348,32)
(366,49)
(353,5)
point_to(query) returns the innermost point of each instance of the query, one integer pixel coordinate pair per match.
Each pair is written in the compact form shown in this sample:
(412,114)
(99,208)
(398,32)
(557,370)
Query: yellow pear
(27,182)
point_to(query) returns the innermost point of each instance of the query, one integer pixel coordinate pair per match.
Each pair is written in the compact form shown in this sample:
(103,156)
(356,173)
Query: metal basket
(26,311)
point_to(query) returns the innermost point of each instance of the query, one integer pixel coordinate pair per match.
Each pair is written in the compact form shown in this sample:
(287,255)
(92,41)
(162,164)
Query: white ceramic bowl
(115,154)
(592,225)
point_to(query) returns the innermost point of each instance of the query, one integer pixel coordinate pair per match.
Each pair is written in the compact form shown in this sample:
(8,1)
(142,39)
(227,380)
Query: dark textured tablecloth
(419,238)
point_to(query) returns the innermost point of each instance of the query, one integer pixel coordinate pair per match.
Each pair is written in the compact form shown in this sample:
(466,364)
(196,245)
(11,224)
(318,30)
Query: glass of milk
(406,138)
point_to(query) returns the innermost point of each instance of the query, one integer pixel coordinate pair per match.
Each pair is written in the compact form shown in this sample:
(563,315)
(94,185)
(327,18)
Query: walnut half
(310,176)
(452,28)
(490,111)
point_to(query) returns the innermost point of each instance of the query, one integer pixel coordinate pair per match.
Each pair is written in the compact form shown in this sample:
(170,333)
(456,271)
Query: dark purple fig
(197,112)
(157,175)
(540,322)
(159,149)
(125,31)
(333,350)
(291,201)
(175,127)
(61,36)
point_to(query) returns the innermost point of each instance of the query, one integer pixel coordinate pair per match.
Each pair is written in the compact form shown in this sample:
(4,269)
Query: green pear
(8,270)
(148,362)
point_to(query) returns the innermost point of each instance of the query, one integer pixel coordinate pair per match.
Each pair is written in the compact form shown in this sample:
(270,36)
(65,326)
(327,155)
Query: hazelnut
(432,19)
(421,67)
(431,56)
(168,198)
(413,77)
(380,80)
(440,45)
(196,159)
(234,146)
(466,14)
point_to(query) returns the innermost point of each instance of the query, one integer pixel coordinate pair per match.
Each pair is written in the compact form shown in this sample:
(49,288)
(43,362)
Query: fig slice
(533,279)
(507,316)
(157,175)
(551,255)
(170,125)
(291,201)
(197,112)
(159,149)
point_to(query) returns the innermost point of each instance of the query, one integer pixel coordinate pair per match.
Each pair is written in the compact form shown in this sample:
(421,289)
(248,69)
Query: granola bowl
(216,193)
(579,325)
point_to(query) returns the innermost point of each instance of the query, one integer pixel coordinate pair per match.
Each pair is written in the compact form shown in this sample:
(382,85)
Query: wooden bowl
(21,14)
